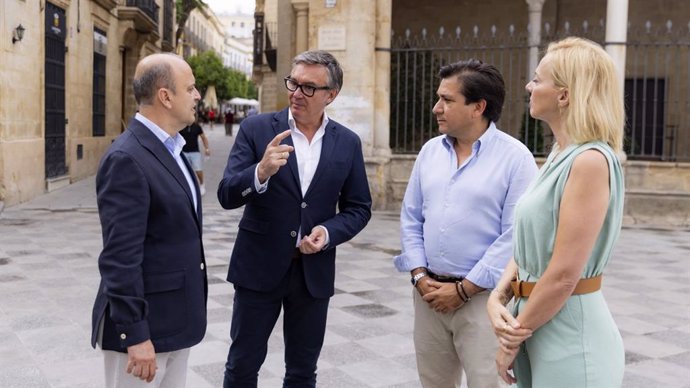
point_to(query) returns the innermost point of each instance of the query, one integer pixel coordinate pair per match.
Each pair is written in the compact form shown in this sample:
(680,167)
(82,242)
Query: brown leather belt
(584,286)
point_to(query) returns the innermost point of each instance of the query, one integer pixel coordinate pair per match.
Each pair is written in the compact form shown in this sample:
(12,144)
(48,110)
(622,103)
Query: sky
(231,6)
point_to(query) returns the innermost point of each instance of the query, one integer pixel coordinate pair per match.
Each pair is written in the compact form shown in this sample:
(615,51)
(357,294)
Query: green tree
(209,70)
(184,8)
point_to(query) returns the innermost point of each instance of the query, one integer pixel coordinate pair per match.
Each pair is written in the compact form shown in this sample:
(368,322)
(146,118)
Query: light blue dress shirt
(458,221)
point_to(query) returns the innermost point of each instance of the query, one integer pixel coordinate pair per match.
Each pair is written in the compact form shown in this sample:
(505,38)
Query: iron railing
(168,21)
(657,89)
(149,7)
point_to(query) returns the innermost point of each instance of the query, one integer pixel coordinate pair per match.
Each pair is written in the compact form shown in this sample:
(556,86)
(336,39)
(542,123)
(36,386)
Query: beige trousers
(446,344)
(171,372)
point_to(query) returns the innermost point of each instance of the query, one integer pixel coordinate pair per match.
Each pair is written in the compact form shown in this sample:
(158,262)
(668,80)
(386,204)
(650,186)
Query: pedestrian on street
(151,302)
(229,121)
(192,134)
(291,170)
(456,226)
(566,226)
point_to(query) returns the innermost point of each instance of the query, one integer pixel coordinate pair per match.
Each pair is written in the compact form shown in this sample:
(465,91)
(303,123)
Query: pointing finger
(279,137)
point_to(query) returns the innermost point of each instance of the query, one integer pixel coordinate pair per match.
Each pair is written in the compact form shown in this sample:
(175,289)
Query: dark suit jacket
(153,272)
(267,235)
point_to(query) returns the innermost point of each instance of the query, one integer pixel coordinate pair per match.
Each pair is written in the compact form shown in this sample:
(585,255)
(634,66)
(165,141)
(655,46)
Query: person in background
(456,225)
(191,135)
(211,117)
(566,225)
(229,121)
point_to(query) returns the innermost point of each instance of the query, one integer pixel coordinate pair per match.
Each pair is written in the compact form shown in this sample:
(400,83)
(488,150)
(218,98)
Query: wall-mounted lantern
(18,34)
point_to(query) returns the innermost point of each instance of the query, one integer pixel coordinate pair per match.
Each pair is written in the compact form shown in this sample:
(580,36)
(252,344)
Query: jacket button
(293,234)
(123,336)
(202,266)
(304,204)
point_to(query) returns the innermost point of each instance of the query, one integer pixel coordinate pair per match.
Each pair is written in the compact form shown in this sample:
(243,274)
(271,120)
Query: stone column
(617,35)
(384,9)
(302,23)
(535,9)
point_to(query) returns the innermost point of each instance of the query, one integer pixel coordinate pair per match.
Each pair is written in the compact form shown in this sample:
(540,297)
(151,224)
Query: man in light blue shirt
(456,225)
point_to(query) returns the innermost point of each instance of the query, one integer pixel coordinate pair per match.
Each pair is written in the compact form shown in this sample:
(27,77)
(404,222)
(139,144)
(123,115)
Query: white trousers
(171,372)
(448,343)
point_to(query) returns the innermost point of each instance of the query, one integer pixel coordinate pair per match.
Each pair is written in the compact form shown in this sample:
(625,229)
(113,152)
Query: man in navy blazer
(151,303)
(301,179)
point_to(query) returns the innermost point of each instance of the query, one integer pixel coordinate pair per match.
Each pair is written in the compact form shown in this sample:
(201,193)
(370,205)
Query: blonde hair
(595,110)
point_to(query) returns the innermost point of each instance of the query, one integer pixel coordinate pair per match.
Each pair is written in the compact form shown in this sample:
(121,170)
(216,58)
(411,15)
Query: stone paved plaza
(48,279)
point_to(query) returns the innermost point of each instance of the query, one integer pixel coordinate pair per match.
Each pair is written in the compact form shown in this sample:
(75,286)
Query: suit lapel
(196,189)
(149,141)
(327,150)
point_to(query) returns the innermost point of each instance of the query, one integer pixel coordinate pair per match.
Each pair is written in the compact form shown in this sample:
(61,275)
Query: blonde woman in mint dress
(561,333)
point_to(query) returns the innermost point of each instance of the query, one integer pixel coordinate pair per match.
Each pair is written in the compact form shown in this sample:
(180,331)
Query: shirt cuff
(260,188)
(406,262)
(484,276)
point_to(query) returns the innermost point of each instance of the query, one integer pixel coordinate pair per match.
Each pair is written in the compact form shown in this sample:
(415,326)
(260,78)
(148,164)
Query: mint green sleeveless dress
(580,346)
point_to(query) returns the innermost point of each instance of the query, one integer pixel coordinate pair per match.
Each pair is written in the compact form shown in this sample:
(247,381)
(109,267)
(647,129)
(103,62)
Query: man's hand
(443,298)
(314,242)
(141,361)
(423,286)
(275,157)
(208,151)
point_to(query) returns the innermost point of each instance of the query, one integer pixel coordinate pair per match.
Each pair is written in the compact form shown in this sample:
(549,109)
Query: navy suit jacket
(153,271)
(268,230)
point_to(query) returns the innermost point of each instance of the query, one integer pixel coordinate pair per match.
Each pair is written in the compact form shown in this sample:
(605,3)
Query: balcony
(144,14)
(107,4)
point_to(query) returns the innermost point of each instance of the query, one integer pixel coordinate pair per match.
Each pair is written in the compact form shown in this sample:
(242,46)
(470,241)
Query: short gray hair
(323,58)
(153,77)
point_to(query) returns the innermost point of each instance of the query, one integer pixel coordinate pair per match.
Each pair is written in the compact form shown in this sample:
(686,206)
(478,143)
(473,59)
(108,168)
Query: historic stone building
(66,73)
(202,32)
(391,51)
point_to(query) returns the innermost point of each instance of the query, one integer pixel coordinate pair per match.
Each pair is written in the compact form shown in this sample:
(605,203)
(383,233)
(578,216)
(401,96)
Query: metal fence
(657,88)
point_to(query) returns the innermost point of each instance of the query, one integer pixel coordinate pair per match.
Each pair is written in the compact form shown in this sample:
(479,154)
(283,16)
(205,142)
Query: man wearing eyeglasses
(291,170)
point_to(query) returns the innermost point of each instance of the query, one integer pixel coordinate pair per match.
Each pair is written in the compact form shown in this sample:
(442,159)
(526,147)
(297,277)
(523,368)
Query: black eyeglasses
(307,90)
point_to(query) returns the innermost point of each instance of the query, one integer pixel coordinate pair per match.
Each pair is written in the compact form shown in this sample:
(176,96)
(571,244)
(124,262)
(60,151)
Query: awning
(210,99)
(243,101)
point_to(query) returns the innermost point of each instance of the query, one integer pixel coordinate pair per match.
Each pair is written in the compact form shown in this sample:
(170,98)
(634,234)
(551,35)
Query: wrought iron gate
(657,88)
(55,91)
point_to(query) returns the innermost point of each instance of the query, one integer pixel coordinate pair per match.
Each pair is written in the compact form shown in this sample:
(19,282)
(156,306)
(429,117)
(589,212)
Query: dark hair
(479,81)
(324,58)
(153,77)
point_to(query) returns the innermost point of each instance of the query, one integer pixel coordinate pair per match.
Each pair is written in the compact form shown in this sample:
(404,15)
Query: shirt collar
(293,125)
(177,140)
(484,139)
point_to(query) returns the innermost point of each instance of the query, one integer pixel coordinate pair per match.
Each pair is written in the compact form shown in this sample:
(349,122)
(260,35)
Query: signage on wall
(56,24)
(332,38)
(100,42)
(330,3)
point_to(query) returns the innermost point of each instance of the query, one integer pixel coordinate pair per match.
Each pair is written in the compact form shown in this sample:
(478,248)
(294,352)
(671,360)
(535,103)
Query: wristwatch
(416,278)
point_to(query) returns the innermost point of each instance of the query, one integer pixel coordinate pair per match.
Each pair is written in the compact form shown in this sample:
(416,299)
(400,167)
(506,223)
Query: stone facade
(203,31)
(358,34)
(130,33)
